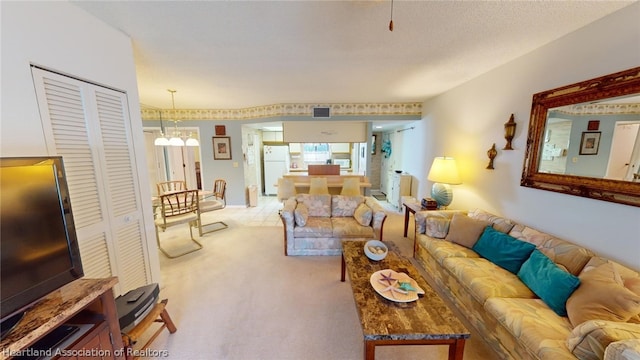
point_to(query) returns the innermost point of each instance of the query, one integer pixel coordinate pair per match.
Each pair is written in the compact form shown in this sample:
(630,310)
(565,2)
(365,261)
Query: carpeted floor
(241,298)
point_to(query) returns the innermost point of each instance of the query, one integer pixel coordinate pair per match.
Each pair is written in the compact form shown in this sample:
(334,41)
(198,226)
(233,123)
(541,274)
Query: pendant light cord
(391,22)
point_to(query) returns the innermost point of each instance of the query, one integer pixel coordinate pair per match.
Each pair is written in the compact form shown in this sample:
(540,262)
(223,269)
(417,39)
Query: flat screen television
(38,244)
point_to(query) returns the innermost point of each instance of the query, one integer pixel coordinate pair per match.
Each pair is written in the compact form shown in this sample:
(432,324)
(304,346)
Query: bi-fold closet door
(89,126)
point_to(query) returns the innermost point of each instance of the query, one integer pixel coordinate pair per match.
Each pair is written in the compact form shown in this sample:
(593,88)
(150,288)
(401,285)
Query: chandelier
(177,139)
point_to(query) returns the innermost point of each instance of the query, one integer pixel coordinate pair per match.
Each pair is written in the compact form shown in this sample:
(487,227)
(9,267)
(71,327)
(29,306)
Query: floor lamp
(444,173)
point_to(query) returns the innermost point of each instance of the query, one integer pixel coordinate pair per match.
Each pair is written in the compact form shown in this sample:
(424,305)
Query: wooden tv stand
(84,301)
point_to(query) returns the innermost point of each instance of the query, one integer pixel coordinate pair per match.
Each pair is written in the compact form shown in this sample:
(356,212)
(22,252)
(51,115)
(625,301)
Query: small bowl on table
(375,250)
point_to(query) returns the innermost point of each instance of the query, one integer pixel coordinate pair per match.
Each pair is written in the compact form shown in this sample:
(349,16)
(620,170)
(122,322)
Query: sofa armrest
(379,216)
(623,350)
(592,337)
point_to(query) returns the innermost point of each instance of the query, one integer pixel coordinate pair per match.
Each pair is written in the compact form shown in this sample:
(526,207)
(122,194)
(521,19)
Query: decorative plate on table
(395,286)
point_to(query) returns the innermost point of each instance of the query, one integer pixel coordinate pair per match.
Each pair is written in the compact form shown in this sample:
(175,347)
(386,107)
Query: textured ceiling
(238,54)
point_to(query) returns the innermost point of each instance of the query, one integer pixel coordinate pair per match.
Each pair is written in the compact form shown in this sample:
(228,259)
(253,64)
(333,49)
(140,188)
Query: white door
(89,126)
(621,166)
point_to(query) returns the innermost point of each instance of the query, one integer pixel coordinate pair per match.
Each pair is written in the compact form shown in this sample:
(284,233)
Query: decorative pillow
(552,284)
(437,226)
(464,230)
(602,296)
(503,250)
(363,215)
(590,339)
(301,214)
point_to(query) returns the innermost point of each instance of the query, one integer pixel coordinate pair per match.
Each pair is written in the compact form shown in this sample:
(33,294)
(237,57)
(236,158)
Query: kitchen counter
(298,172)
(334,182)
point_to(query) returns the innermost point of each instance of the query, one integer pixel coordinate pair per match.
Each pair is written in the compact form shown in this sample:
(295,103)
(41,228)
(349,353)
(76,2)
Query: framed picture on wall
(373,144)
(590,142)
(221,148)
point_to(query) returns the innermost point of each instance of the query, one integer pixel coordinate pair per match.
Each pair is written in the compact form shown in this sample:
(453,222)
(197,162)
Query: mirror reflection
(599,139)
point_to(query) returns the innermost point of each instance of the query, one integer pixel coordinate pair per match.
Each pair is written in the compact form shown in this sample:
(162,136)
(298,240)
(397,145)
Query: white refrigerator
(276,164)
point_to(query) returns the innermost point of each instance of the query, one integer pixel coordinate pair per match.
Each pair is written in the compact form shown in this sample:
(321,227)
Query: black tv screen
(38,245)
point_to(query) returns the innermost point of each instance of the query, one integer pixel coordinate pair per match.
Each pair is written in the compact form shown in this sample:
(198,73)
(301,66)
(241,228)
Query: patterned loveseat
(594,310)
(315,224)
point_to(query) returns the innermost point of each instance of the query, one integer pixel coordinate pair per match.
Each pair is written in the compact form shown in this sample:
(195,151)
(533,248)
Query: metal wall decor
(509,132)
(491,153)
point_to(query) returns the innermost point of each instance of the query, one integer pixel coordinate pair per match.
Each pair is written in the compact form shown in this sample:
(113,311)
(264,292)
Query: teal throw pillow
(552,284)
(503,250)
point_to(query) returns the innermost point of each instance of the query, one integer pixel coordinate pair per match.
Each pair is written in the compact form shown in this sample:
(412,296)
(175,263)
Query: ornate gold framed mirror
(584,139)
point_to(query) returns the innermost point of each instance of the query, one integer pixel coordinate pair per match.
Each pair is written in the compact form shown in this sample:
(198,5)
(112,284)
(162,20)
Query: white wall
(64,38)
(470,118)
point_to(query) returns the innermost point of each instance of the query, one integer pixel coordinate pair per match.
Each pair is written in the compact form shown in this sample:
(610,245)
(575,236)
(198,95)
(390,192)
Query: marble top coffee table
(426,321)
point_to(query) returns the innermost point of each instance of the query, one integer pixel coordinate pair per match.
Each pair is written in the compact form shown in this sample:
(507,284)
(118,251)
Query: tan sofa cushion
(442,249)
(484,279)
(316,227)
(465,231)
(531,321)
(345,227)
(602,296)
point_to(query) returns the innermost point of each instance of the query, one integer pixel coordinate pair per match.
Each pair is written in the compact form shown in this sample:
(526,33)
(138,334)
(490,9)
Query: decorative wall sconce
(509,132)
(491,153)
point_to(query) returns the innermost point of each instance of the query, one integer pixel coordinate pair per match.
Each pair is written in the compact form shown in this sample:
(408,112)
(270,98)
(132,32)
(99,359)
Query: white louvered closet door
(89,126)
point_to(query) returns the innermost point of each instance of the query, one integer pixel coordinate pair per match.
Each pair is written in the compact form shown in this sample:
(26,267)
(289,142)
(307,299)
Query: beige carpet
(241,298)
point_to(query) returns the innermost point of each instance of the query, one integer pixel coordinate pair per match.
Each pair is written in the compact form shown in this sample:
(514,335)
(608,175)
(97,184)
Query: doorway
(624,159)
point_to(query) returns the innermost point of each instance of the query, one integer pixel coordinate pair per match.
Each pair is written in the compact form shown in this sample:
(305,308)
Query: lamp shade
(161,141)
(192,142)
(444,170)
(176,141)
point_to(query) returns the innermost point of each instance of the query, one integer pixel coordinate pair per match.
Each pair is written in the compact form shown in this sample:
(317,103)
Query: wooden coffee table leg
(342,269)
(456,350)
(369,350)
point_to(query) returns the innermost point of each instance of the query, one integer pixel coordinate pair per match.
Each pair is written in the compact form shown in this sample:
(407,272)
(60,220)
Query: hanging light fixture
(161,140)
(191,141)
(177,139)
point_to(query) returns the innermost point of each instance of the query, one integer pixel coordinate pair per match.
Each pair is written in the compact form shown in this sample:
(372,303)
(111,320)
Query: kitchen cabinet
(272,136)
(294,148)
(399,185)
(340,147)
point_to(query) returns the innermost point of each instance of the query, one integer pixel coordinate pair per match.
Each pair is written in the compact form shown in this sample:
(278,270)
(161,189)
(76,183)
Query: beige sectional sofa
(315,224)
(602,317)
